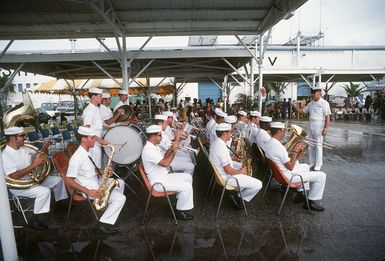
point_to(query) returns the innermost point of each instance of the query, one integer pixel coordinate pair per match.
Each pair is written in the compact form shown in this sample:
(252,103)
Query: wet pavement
(351,228)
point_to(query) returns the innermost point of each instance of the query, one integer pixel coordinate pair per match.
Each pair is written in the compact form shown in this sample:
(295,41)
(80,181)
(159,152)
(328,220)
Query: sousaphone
(15,117)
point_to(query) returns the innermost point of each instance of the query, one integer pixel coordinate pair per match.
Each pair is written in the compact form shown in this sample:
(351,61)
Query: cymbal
(127,112)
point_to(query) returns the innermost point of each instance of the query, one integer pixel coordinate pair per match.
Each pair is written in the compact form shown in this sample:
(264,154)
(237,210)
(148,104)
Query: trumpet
(188,149)
(185,135)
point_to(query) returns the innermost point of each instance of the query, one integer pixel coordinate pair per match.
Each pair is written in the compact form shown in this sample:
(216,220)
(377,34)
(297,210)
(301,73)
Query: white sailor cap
(255,114)
(168,113)
(223,127)
(123,92)
(86,131)
(243,113)
(160,117)
(13,131)
(220,113)
(106,95)
(277,125)
(230,119)
(95,90)
(173,108)
(266,119)
(154,129)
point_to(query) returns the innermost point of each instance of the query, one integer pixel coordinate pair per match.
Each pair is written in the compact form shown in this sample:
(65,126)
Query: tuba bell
(15,117)
(297,135)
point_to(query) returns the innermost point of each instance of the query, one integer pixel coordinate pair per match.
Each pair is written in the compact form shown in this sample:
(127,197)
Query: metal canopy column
(6,48)
(7,235)
(224,94)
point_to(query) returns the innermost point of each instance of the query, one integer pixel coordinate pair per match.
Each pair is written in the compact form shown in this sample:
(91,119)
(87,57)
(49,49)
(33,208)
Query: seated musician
(18,163)
(289,165)
(242,122)
(231,120)
(253,127)
(210,116)
(219,118)
(220,157)
(182,161)
(263,136)
(156,164)
(83,177)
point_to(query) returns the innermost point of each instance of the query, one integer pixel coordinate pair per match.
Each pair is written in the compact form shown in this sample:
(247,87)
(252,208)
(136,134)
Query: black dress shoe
(37,225)
(104,229)
(237,201)
(313,206)
(299,198)
(181,215)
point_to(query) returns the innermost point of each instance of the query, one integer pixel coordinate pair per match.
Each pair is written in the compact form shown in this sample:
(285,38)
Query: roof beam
(109,16)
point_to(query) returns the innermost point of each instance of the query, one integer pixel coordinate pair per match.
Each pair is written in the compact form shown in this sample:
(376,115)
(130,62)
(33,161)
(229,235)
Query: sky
(344,22)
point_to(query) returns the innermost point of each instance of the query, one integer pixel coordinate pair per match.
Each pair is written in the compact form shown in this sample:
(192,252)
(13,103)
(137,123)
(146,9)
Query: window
(35,83)
(20,87)
(27,85)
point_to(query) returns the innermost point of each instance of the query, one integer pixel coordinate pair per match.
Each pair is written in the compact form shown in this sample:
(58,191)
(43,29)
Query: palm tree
(353,90)
(278,87)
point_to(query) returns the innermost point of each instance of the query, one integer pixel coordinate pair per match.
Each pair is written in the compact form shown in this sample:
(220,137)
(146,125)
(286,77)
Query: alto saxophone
(106,187)
(246,161)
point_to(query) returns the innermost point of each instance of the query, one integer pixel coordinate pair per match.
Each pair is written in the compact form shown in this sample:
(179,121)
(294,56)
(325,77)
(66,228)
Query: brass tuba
(297,135)
(14,117)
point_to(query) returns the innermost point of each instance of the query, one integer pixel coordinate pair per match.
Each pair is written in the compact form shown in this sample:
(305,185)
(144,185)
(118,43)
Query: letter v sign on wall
(272,62)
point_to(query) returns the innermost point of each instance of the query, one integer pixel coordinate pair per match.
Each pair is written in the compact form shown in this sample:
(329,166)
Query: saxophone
(106,187)
(246,161)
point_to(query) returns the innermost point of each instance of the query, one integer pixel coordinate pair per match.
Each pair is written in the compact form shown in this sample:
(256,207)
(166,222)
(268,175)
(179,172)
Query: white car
(50,109)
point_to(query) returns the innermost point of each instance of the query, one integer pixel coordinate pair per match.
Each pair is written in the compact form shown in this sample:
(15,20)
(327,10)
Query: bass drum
(128,142)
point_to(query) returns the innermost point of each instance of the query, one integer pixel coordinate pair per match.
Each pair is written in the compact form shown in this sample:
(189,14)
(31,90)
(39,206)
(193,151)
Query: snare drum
(128,142)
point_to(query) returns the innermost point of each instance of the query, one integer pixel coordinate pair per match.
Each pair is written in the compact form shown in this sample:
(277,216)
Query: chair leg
(268,184)
(210,184)
(172,209)
(69,210)
(240,193)
(284,198)
(220,202)
(92,208)
(305,193)
(212,190)
(21,209)
(146,208)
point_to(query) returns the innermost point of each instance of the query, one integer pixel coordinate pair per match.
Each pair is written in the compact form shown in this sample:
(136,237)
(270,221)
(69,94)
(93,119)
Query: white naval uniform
(242,127)
(14,160)
(93,117)
(317,110)
(83,170)
(220,157)
(277,153)
(262,138)
(120,103)
(106,114)
(208,128)
(213,133)
(252,132)
(179,182)
(182,161)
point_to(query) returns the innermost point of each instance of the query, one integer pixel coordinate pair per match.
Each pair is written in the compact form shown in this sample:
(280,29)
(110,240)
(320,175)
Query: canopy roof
(55,19)
(187,64)
(158,86)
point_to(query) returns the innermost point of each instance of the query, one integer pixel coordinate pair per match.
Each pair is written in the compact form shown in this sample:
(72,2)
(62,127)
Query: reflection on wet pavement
(351,228)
